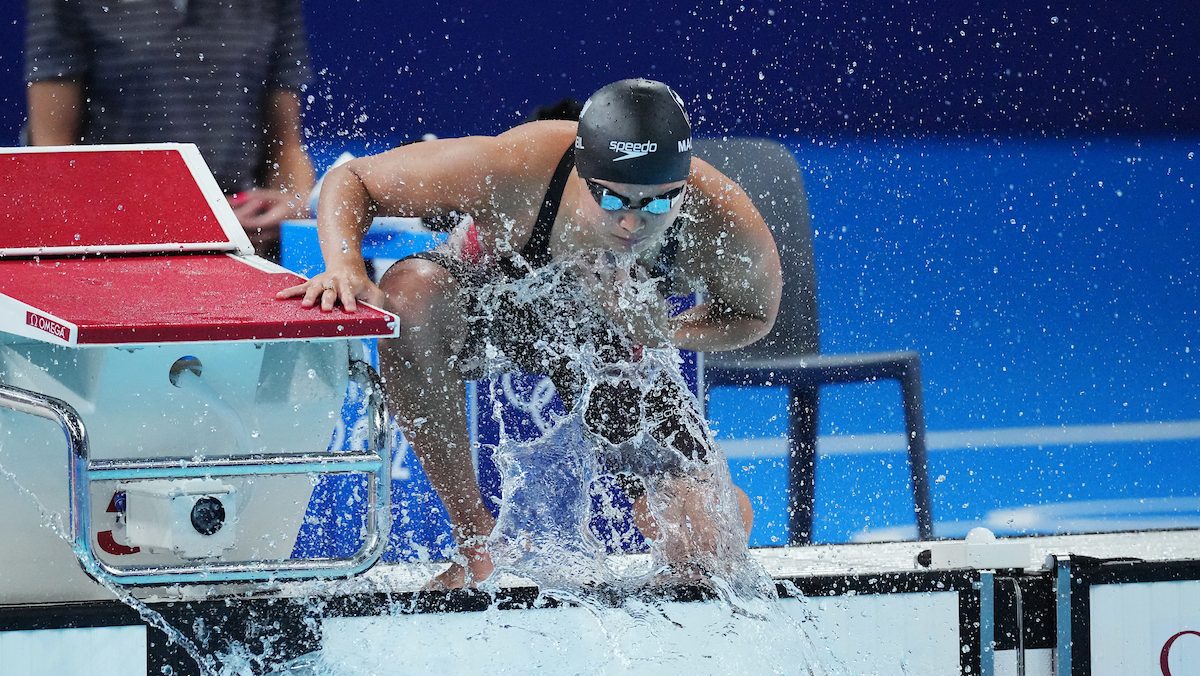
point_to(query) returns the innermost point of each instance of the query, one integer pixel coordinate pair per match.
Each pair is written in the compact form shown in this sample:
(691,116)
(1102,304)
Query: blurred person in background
(223,75)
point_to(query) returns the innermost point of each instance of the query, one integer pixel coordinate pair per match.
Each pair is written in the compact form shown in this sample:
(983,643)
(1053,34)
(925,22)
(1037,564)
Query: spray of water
(625,618)
(544,532)
(52,520)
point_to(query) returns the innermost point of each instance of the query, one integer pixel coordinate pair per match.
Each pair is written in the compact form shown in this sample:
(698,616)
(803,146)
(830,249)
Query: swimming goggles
(611,201)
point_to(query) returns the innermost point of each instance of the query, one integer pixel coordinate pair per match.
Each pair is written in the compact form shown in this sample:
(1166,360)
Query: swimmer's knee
(745,509)
(417,276)
(418,291)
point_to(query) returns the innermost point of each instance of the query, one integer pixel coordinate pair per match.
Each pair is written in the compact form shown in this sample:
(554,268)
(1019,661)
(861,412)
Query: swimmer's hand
(333,287)
(630,298)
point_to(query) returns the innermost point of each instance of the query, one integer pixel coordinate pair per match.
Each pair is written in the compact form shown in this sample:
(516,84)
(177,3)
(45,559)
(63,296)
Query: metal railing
(374,464)
(804,376)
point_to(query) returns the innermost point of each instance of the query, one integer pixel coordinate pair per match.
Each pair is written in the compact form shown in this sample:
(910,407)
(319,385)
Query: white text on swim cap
(631,150)
(685,146)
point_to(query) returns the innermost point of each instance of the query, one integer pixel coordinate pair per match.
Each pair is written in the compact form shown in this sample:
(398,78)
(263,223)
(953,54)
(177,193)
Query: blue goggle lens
(610,201)
(658,206)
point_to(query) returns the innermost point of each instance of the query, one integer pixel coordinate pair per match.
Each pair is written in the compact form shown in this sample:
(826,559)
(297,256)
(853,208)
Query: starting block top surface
(166,299)
(112,199)
(120,245)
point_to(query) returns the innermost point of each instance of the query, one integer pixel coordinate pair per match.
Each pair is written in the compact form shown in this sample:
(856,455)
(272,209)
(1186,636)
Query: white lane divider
(977,439)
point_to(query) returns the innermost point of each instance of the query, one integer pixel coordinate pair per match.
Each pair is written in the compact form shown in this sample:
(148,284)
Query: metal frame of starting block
(373,463)
(119,260)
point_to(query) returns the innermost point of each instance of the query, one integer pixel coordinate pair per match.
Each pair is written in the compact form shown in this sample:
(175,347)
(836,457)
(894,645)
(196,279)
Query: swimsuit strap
(665,261)
(536,251)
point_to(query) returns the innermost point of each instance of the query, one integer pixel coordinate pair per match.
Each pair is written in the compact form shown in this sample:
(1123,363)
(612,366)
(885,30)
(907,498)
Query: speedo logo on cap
(631,150)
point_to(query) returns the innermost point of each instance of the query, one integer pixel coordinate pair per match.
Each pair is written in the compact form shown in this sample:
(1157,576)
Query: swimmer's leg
(614,412)
(644,519)
(425,392)
(700,517)
(692,524)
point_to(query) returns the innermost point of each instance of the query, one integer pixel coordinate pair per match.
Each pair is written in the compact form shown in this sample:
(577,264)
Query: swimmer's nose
(629,222)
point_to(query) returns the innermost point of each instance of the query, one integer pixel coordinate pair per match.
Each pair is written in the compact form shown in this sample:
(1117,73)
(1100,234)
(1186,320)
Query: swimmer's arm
(421,180)
(418,180)
(472,175)
(734,254)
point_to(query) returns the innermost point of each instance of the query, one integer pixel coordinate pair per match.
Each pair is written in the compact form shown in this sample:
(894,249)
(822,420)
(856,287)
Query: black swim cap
(634,131)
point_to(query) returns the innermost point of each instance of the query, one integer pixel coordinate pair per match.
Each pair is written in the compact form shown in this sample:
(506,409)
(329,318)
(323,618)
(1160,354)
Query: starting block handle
(58,411)
(375,463)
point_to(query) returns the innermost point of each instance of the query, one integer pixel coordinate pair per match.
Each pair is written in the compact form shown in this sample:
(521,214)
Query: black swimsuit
(529,325)
(536,252)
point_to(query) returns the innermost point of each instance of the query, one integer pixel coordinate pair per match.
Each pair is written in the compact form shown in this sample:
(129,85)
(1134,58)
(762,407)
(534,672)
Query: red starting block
(136,321)
(119,245)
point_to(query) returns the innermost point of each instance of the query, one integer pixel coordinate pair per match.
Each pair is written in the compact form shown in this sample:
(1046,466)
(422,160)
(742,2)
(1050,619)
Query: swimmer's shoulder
(712,193)
(541,134)
(717,208)
(532,150)
(706,186)
(707,179)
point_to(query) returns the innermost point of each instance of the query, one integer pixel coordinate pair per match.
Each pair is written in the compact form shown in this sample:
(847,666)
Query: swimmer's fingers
(329,298)
(342,291)
(310,290)
(320,289)
(336,290)
(293,291)
(349,291)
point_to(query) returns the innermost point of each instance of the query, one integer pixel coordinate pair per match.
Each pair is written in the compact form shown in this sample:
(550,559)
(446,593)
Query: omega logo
(1165,656)
(46,324)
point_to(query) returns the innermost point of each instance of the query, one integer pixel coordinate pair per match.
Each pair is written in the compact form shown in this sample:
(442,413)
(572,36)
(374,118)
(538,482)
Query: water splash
(696,536)
(620,611)
(52,520)
(611,612)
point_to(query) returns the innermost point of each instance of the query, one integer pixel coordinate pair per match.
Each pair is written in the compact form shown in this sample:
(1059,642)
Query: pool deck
(780,563)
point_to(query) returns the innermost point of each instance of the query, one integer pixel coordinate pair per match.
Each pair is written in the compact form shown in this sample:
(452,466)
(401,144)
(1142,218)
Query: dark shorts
(539,324)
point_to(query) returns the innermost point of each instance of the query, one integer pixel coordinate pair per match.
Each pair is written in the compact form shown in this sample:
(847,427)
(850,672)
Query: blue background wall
(1009,188)
(389,70)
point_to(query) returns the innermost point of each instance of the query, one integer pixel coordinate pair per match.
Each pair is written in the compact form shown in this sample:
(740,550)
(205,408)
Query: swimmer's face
(630,228)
